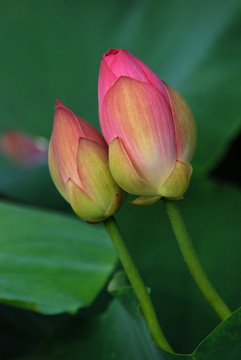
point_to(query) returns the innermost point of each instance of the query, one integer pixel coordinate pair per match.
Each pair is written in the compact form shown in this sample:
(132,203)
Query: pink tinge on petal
(68,128)
(140,116)
(119,62)
(65,135)
(55,171)
(124,172)
(184,124)
(123,63)
(106,79)
(23,149)
(114,64)
(87,130)
(152,78)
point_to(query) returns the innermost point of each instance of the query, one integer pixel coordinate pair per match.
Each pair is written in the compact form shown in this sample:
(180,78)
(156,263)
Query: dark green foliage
(52,263)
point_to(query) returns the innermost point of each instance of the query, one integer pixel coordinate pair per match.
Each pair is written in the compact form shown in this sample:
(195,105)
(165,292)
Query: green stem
(193,262)
(137,284)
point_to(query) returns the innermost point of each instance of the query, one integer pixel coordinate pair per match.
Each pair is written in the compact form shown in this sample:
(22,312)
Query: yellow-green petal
(83,205)
(185,127)
(177,182)
(139,115)
(94,173)
(124,172)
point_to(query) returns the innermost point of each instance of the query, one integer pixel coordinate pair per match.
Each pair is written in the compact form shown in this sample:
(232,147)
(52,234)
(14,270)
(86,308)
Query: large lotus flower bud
(148,126)
(78,163)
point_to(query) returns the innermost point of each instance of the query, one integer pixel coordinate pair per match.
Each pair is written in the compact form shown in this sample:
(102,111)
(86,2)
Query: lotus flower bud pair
(151,136)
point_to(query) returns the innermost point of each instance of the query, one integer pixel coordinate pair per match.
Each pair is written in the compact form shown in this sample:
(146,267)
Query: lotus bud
(148,126)
(78,163)
(23,149)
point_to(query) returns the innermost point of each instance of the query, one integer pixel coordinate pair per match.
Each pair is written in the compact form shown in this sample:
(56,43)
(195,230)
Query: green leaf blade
(54,262)
(224,342)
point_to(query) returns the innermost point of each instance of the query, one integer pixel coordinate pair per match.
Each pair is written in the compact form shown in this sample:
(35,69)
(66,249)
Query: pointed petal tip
(92,143)
(60,108)
(111,52)
(83,139)
(58,103)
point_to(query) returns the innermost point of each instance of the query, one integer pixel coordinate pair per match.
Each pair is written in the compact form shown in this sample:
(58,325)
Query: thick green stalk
(137,284)
(193,262)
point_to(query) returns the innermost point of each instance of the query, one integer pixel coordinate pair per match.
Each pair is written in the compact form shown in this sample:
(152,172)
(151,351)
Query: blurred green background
(52,49)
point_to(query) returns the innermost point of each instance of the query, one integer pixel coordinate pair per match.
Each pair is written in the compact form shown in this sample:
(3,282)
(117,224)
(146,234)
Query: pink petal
(140,116)
(106,79)
(123,63)
(68,128)
(124,172)
(55,172)
(185,127)
(119,62)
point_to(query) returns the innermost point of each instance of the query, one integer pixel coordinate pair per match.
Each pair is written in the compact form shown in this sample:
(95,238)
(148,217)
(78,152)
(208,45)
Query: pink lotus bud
(148,126)
(78,163)
(23,149)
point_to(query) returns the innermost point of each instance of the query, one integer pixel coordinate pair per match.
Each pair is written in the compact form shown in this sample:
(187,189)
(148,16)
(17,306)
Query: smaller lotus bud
(78,163)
